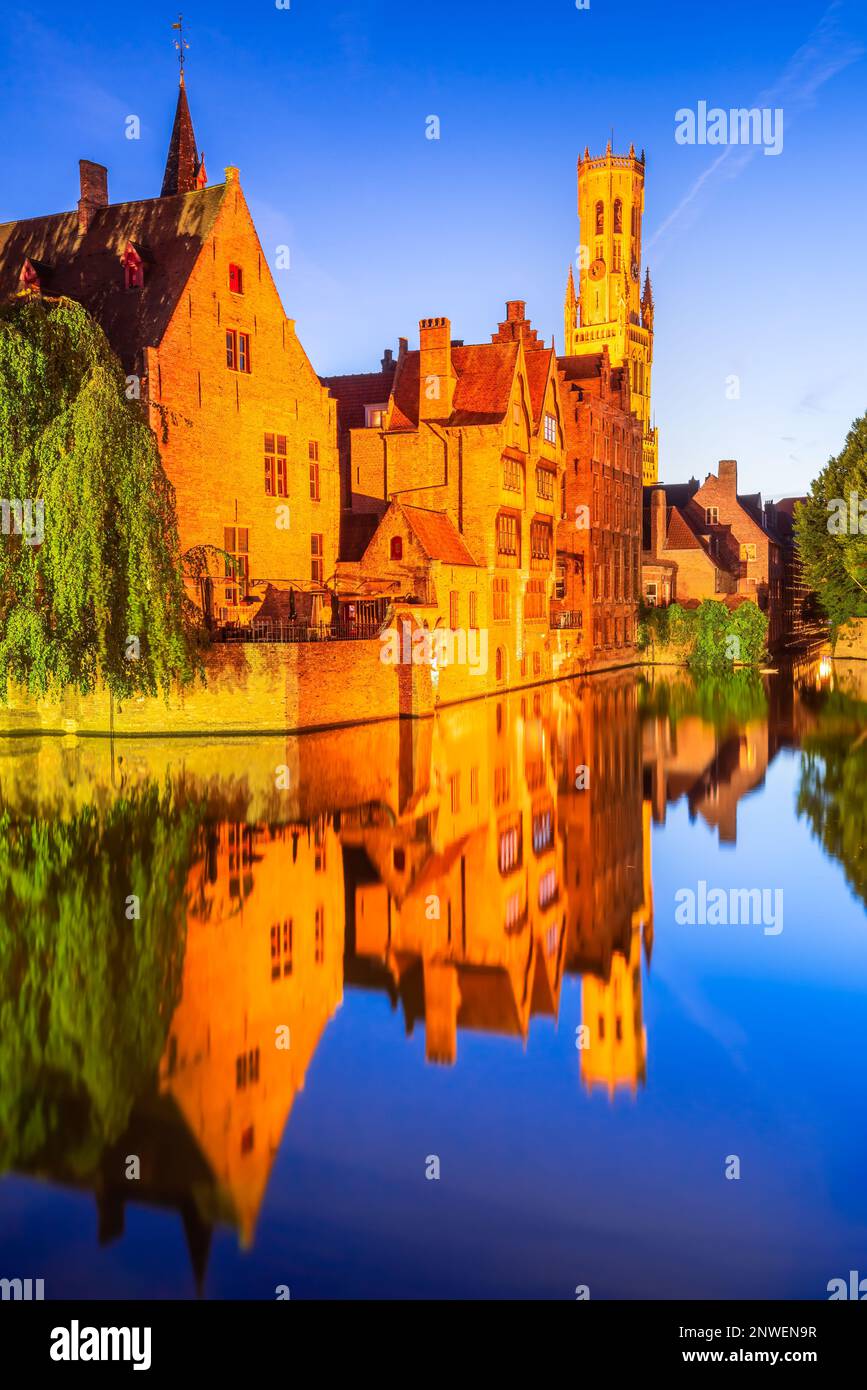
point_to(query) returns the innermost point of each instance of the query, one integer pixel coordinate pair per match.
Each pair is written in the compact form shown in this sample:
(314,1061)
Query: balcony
(566,617)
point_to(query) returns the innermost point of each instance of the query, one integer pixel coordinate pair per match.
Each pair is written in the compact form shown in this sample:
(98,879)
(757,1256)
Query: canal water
(556,995)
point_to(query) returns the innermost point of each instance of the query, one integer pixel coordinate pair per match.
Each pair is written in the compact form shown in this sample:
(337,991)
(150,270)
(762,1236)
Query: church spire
(185,169)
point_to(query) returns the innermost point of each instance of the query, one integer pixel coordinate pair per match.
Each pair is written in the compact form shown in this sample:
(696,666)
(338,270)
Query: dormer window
(374,416)
(29,278)
(133,268)
(236,279)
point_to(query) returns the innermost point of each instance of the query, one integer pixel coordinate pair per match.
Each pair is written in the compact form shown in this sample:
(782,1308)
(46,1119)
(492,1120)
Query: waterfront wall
(281,688)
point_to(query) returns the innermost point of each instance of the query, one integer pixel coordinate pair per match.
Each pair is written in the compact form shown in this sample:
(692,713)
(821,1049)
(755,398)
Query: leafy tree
(709,637)
(108,567)
(835,562)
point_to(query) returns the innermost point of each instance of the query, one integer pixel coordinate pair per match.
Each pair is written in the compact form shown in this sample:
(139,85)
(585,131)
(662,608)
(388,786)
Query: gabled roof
(88,267)
(541,362)
(437,535)
(680,535)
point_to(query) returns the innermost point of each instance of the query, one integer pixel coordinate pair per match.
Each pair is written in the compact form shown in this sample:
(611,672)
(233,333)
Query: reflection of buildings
(458,910)
(264,953)
(713,769)
(452,864)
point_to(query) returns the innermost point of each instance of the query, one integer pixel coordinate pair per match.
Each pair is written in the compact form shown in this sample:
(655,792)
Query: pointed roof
(183,166)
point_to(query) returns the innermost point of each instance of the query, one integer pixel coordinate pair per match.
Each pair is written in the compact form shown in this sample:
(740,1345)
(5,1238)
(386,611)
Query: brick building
(183,290)
(472,439)
(717,541)
(599,531)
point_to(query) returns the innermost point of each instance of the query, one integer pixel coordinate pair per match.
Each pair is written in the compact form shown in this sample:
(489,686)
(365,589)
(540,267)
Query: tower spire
(185,168)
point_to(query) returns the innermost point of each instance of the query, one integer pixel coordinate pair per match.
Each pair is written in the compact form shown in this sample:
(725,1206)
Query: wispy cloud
(826,52)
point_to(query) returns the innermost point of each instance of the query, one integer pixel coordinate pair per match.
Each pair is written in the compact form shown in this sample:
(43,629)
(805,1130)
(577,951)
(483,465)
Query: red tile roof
(437,535)
(484,375)
(680,535)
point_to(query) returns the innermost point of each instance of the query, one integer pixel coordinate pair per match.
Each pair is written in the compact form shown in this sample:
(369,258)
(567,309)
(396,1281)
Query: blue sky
(757,261)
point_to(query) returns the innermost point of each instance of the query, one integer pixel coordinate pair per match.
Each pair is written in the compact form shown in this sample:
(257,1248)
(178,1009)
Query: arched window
(600,218)
(501,666)
(396,548)
(618,215)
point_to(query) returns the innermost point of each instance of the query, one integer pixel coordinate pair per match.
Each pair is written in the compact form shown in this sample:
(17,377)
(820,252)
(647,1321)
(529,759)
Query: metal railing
(567,617)
(286,630)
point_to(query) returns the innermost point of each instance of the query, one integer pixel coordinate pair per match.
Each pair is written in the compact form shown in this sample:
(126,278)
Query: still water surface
(294,977)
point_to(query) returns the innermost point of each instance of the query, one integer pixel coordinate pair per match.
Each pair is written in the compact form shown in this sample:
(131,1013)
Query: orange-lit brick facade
(599,532)
(710,541)
(184,292)
(474,436)
(253,449)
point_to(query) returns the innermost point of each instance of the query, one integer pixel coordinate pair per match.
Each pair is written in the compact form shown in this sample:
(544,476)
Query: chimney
(658,521)
(515,310)
(93,179)
(387,363)
(436,383)
(728,476)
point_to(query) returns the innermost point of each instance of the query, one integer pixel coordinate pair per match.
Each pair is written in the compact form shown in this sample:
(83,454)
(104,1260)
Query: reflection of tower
(610,308)
(612,1008)
(264,954)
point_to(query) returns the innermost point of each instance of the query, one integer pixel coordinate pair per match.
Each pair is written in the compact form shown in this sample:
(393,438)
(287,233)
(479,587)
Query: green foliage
(709,637)
(835,565)
(109,566)
(87,995)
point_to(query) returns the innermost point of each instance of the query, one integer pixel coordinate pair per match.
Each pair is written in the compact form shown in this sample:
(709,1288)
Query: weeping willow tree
(87,987)
(90,586)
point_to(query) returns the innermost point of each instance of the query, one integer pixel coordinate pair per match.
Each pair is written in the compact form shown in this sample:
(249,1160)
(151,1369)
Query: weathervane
(180,44)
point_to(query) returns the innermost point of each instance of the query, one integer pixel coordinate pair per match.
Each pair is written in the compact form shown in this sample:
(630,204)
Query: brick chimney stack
(658,521)
(728,476)
(93,181)
(436,384)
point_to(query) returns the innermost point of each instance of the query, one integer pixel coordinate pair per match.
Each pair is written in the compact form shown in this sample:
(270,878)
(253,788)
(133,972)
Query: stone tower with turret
(609,307)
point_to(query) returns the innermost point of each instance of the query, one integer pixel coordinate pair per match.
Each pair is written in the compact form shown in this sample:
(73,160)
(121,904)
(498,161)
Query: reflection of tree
(86,994)
(720,699)
(831,795)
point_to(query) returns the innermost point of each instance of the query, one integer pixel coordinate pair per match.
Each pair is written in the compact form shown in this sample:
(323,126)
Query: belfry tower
(609,307)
